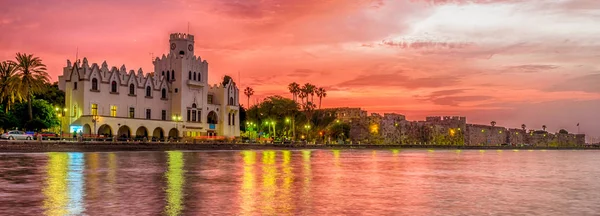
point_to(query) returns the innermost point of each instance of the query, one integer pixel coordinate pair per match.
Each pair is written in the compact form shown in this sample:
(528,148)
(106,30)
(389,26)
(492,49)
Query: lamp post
(95,118)
(307,127)
(60,117)
(177,118)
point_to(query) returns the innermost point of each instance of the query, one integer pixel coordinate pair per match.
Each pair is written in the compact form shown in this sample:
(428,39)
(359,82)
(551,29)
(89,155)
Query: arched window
(163,73)
(194,105)
(233,118)
(194,75)
(113,86)
(199,76)
(164,94)
(95,84)
(173,74)
(229,119)
(231,101)
(148,91)
(190,75)
(131,89)
(168,75)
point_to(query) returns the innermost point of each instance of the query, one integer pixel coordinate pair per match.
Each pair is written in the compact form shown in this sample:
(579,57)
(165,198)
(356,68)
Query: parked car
(46,135)
(16,135)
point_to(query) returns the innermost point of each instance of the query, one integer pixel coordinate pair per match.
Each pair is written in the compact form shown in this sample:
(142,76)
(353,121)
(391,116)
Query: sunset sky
(513,61)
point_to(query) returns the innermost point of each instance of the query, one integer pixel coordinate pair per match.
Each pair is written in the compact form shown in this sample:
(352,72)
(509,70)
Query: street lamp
(177,118)
(307,127)
(60,117)
(95,118)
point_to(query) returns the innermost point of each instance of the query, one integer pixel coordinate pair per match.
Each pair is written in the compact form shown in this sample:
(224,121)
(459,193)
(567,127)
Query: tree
(248,92)
(35,125)
(52,94)
(8,84)
(544,127)
(523,126)
(32,74)
(43,111)
(563,131)
(321,93)
(226,79)
(294,88)
(339,130)
(302,94)
(309,89)
(242,115)
(493,123)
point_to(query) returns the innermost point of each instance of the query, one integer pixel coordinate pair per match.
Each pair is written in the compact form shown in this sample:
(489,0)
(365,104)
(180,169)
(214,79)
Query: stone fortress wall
(392,128)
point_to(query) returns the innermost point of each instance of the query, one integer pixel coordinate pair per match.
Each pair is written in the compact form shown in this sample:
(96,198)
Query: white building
(175,100)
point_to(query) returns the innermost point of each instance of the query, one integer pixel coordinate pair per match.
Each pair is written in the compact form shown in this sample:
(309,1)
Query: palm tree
(248,92)
(309,90)
(523,126)
(493,123)
(294,89)
(8,84)
(544,127)
(32,74)
(321,93)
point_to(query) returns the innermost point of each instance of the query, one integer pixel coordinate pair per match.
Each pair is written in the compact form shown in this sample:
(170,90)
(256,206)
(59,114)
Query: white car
(16,135)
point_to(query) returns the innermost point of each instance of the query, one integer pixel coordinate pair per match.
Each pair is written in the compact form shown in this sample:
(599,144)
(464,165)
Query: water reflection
(64,189)
(248,183)
(175,182)
(317,182)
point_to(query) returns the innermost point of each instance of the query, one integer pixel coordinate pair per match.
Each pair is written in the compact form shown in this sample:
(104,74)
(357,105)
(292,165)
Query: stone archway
(105,130)
(87,130)
(124,131)
(212,118)
(141,132)
(173,133)
(158,133)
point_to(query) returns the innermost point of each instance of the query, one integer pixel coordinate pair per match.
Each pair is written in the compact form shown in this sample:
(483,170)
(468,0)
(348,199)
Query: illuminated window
(113,110)
(131,112)
(94,109)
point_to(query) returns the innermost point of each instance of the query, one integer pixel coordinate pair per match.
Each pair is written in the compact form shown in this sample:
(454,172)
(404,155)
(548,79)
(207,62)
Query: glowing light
(248,181)
(482,151)
(55,190)
(374,128)
(395,152)
(76,182)
(269,186)
(452,132)
(482,130)
(175,183)
(431,150)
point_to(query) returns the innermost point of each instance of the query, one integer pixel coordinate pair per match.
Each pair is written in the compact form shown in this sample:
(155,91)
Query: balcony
(195,83)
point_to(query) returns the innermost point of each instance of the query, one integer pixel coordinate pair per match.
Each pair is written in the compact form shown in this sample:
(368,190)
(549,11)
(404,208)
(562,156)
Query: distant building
(175,100)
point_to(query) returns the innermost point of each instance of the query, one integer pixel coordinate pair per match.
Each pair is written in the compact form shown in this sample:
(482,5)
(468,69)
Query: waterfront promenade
(99,146)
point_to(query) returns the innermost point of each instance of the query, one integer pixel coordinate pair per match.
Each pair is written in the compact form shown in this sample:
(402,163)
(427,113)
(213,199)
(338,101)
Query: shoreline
(56,146)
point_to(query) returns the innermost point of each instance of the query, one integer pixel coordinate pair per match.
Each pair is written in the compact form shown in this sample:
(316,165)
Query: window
(113,86)
(210,99)
(176,90)
(74,85)
(199,115)
(131,112)
(188,115)
(232,118)
(173,74)
(94,109)
(163,115)
(75,111)
(194,75)
(231,101)
(148,91)
(199,76)
(163,73)
(164,94)
(113,110)
(229,119)
(168,75)
(190,75)
(193,115)
(148,114)
(94,84)
(194,106)
(131,89)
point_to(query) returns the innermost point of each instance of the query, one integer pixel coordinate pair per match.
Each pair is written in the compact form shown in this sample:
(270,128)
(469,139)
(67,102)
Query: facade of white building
(174,101)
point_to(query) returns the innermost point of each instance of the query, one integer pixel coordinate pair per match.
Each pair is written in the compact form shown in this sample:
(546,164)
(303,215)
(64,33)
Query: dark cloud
(587,83)
(530,68)
(400,80)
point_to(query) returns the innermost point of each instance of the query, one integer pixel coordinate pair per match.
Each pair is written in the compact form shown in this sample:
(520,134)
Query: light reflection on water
(304,182)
